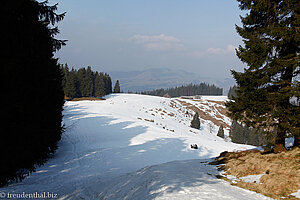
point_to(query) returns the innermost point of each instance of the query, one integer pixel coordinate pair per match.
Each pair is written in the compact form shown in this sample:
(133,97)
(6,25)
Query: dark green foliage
(117,87)
(85,83)
(32,96)
(244,135)
(232,92)
(195,123)
(107,84)
(99,89)
(188,90)
(271,51)
(236,133)
(70,82)
(221,132)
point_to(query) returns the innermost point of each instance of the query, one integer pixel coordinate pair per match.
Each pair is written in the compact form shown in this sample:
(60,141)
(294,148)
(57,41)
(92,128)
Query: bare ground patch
(217,102)
(206,116)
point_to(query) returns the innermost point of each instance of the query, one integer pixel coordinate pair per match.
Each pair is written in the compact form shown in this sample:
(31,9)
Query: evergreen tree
(65,73)
(271,50)
(236,133)
(32,84)
(195,123)
(221,132)
(99,85)
(254,136)
(82,84)
(71,86)
(89,79)
(107,84)
(243,134)
(117,87)
(232,92)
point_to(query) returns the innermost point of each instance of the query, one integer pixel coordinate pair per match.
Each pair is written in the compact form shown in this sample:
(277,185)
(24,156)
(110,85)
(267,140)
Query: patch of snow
(289,142)
(251,178)
(296,194)
(247,179)
(215,98)
(232,178)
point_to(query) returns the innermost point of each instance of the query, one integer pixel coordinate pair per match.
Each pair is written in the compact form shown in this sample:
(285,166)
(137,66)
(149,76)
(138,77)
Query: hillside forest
(85,83)
(187,90)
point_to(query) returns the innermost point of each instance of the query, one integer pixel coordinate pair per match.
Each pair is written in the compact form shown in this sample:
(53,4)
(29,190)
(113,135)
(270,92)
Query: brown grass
(204,115)
(88,98)
(217,102)
(222,110)
(281,171)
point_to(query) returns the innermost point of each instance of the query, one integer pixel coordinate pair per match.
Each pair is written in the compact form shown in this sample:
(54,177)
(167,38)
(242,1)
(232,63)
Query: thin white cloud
(140,39)
(231,48)
(214,51)
(158,42)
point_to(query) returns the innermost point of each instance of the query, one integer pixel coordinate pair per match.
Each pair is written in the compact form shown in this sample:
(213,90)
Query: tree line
(187,90)
(85,83)
(242,134)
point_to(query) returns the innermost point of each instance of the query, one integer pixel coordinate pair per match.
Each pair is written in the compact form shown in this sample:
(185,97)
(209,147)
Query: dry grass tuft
(281,171)
(171,114)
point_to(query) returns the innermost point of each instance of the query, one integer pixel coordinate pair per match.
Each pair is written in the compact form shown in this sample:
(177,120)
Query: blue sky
(109,35)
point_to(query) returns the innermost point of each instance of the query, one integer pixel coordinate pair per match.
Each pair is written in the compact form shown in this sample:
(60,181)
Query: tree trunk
(279,141)
(297,141)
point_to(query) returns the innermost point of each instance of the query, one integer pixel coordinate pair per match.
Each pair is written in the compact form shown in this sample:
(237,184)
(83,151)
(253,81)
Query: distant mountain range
(155,78)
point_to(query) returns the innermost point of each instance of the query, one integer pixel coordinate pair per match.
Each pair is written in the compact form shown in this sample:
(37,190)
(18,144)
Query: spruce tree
(236,133)
(89,79)
(65,72)
(232,92)
(107,84)
(71,86)
(31,81)
(195,123)
(117,87)
(82,82)
(99,85)
(221,132)
(271,50)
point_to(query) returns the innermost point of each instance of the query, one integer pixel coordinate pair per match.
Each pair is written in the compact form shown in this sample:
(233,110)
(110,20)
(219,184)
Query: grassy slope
(281,172)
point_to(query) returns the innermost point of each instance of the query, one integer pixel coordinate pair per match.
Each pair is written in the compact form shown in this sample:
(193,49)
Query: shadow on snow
(93,150)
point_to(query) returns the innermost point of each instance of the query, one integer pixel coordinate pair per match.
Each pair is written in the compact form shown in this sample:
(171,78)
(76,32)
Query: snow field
(107,142)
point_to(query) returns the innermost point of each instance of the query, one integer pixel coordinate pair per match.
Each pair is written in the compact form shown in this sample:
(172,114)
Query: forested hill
(85,83)
(188,90)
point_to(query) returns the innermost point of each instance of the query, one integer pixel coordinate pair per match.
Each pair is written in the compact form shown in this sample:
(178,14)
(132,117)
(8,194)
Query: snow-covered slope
(106,140)
(188,179)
